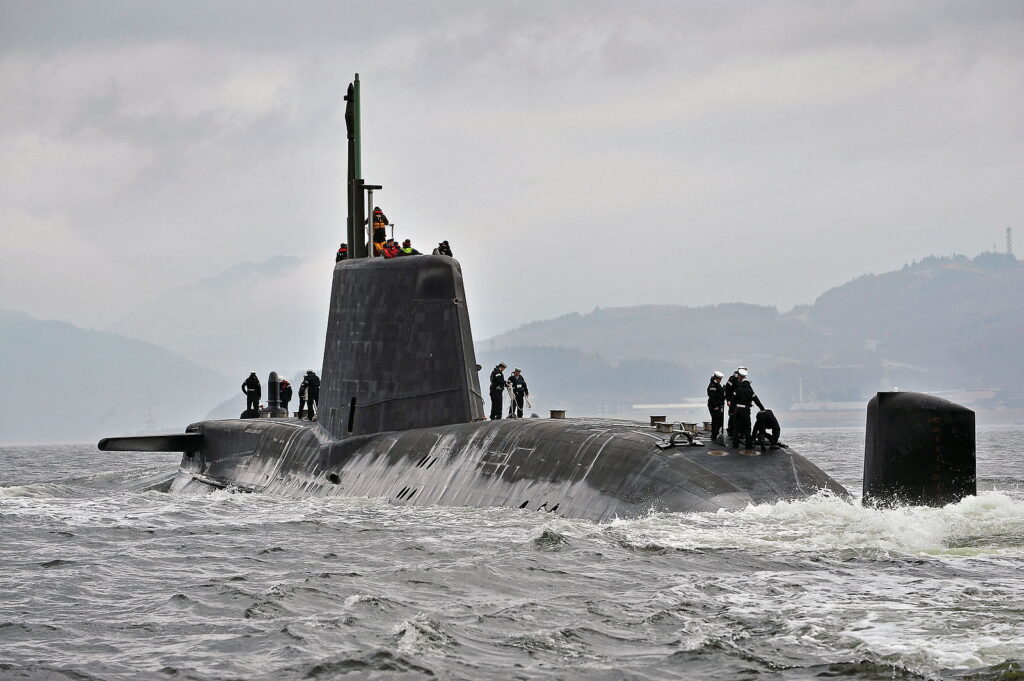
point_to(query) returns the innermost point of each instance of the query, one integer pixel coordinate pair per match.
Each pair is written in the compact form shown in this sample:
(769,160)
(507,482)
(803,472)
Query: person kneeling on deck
(743,398)
(497,390)
(716,405)
(517,384)
(764,422)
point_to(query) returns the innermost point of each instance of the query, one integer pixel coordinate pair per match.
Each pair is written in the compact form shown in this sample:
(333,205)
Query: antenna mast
(1009,241)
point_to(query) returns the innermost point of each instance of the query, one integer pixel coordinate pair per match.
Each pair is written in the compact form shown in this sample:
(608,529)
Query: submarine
(402,417)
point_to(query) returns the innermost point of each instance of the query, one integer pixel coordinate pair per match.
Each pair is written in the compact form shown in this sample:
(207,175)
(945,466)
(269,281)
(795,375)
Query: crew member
(517,384)
(253,391)
(407,248)
(764,422)
(342,253)
(312,382)
(286,394)
(716,404)
(743,398)
(443,249)
(303,394)
(380,232)
(390,249)
(730,389)
(497,390)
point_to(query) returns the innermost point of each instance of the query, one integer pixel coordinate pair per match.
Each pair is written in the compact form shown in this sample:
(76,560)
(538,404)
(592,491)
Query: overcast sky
(575,154)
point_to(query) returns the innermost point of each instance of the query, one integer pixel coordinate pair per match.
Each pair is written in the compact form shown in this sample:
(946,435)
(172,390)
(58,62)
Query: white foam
(990,524)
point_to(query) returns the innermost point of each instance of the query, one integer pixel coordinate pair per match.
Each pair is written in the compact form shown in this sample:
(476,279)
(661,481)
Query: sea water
(104,576)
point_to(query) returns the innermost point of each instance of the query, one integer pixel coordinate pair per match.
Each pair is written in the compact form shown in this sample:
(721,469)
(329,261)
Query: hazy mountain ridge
(938,324)
(68,383)
(942,323)
(973,306)
(255,317)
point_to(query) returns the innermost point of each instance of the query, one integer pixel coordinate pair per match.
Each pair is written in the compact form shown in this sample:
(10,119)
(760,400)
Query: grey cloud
(802,134)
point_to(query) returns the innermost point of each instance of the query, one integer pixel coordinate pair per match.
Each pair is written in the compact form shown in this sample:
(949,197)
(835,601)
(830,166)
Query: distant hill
(942,323)
(586,384)
(252,317)
(64,383)
(962,318)
(939,324)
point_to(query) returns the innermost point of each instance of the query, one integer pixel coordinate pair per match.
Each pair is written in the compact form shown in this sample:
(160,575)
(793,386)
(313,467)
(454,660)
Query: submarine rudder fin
(919,449)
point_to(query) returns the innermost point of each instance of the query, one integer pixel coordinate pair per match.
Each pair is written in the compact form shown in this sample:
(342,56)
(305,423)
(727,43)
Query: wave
(990,524)
(154,478)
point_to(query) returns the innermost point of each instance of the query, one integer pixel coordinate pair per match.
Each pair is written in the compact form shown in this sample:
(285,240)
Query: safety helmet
(738,368)
(502,365)
(719,374)
(741,372)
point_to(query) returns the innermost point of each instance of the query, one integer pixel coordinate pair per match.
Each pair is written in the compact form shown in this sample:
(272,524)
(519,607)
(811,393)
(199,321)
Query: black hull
(579,468)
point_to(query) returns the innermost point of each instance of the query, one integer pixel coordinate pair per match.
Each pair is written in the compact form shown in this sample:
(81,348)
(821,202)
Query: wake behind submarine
(401,417)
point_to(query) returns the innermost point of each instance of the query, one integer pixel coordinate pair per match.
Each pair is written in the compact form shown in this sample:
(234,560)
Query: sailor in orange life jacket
(380,223)
(390,249)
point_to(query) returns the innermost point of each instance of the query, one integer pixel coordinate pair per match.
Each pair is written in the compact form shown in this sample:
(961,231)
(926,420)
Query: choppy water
(103,578)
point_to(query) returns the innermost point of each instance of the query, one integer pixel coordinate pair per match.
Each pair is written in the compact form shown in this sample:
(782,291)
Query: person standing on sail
(380,232)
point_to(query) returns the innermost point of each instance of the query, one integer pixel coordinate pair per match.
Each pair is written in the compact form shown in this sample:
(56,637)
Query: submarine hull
(577,468)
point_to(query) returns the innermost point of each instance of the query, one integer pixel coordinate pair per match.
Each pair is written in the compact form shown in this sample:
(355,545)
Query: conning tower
(399,352)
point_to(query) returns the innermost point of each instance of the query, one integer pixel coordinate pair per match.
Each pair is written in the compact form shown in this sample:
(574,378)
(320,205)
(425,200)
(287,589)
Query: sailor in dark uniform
(303,394)
(743,398)
(253,391)
(519,392)
(286,394)
(765,422)
(497,390)
(716,404)
(312,382)
(730,389)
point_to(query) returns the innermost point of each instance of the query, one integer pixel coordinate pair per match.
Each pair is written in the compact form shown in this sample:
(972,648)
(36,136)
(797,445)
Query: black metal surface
(581,468)
(178,442)
(398,343)
(918,450)
(274,408)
